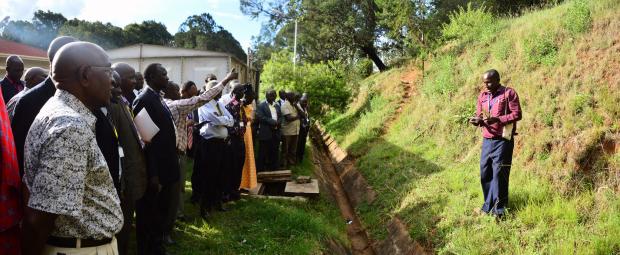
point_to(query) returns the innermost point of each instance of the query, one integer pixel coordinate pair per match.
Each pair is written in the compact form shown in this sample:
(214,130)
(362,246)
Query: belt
(66,242)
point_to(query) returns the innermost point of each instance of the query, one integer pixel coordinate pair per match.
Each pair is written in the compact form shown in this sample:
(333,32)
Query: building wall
(182,69)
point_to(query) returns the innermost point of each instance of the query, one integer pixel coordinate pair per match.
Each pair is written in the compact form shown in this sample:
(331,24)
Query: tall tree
(105,35)
(149,32)
(202,32)
(330,29)
(39,32)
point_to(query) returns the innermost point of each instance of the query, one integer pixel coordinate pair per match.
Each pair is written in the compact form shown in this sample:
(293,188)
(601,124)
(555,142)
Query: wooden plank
(311,188)
(275,179)
(295,198)
(258,189)
(274,173)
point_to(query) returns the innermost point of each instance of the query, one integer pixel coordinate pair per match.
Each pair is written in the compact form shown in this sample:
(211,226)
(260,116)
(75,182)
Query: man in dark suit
(269,122)
(33,100)
(133,178)
(107,138)
(12,83)
(161,157)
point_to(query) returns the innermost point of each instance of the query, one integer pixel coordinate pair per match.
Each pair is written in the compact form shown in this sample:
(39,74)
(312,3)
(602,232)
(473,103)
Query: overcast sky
(122,12)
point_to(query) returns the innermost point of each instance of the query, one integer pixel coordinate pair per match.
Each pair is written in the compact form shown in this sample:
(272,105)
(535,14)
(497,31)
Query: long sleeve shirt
(183,107)
(240,121)
(504,105)
(219,119)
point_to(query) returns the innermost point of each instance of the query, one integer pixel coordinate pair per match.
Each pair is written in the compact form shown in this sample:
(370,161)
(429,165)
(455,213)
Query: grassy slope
(425,167)
(256,226)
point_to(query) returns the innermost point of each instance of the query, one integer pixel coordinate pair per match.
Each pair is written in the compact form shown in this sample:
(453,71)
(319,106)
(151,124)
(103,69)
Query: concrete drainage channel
(337,173)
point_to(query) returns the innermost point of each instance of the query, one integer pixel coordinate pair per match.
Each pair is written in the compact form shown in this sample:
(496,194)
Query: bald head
(270,95)
(116,84)
(83,69)
(34,76)
(13,59)
(139,81)
(127,77)
(56,44)
(14,67)
(172,91)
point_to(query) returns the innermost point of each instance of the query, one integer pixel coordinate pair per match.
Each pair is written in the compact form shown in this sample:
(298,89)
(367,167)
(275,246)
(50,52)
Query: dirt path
(409,80)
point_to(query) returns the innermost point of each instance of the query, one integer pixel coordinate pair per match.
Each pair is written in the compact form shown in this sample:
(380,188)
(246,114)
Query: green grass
(258,226)
(425,167)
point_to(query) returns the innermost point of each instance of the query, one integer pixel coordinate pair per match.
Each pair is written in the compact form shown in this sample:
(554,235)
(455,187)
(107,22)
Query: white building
(182,64)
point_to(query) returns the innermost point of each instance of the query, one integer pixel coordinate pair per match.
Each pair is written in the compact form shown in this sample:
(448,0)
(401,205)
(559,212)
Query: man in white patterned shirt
(73,206)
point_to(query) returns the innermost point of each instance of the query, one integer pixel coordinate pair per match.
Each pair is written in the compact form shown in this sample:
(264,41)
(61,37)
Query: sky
(171,13)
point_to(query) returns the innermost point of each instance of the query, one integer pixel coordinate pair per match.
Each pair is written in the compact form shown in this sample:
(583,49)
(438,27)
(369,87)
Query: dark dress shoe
(222,208)
(168,240)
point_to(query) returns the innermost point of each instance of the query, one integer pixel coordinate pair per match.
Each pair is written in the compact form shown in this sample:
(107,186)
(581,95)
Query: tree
(20,31)
(330,29)
(149,32)
(39,33)
(106,35)
(203,33)
(47,24)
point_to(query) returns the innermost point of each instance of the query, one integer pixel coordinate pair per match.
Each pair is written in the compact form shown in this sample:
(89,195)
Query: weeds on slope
(564,183)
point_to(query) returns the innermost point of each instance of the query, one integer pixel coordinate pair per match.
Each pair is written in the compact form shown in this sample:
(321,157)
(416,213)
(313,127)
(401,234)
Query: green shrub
(470,25)
(326,83)
(363,68)
(540,49)
(580,102)
(578,18)
(502,49)
(441,78)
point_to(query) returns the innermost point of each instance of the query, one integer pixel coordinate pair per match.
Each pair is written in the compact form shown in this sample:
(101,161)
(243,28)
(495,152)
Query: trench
(328,178)
(337,173)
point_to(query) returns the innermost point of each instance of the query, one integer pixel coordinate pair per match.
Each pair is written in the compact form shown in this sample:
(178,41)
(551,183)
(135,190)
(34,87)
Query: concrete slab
(311,188)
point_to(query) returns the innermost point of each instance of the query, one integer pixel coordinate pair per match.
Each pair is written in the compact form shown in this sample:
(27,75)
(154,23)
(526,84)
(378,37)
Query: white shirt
(274,113)
(218,119)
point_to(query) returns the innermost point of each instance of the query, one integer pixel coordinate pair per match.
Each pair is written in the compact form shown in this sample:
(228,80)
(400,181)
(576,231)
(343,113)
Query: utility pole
(295,47)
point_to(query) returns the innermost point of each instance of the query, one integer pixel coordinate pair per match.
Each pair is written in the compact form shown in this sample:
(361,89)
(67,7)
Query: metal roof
(14,48)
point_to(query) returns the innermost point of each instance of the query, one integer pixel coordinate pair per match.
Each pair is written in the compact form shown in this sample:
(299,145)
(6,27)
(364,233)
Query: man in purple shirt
(12,83)
(497,112)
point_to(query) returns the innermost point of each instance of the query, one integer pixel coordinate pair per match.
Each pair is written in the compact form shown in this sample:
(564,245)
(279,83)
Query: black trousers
(301,144)
(211,174)
(196,172)
(123,237)
(268,154)
(155,214)
(149,230)
(235,158)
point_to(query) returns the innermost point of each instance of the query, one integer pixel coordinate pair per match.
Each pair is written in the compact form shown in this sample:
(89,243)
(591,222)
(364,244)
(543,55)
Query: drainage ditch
(337,173)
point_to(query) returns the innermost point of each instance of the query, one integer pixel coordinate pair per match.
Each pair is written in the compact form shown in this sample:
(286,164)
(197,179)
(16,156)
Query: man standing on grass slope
(497,111)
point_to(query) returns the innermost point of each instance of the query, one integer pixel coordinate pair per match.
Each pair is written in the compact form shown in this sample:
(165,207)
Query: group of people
(77,170)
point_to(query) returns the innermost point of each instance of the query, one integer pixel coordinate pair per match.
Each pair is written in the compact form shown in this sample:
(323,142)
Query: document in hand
(145,125)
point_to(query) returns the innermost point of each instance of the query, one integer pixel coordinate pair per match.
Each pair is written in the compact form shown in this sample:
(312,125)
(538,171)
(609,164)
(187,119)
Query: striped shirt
(183,107)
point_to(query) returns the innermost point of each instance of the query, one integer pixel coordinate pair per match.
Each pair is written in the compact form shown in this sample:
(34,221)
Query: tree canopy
(351,30)
(202,32)
(197,32)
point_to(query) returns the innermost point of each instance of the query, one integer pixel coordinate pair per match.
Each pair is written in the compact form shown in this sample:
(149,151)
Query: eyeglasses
(106,69)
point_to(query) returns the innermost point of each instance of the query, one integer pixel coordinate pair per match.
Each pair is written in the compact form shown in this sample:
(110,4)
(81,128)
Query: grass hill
(407,131)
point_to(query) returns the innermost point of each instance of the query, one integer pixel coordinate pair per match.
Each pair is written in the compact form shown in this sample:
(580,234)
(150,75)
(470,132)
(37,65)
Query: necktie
(217,106)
